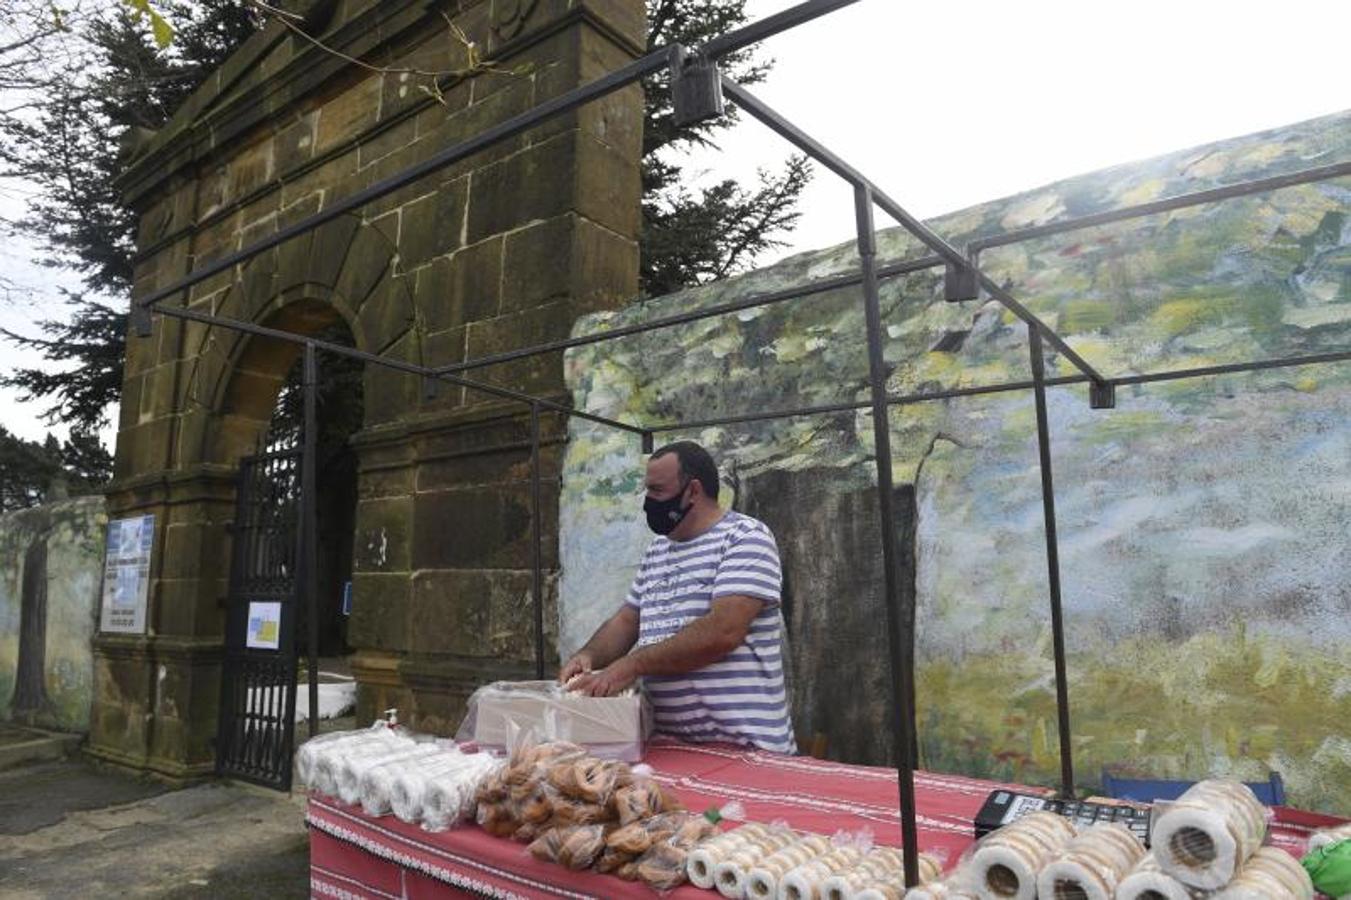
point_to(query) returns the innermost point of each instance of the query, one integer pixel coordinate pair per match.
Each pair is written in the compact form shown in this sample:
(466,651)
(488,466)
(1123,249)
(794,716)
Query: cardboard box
(508,713)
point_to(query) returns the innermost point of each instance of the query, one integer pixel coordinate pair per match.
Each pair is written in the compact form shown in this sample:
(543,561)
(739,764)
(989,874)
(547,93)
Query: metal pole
(900,612)
(537,583)
(309,531)
(1062,699)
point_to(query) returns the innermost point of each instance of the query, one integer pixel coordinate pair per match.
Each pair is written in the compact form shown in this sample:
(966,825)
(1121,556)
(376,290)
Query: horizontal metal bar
(1167,204)
(1232,368)
(770,26)
(978,390)
(640,68)
(397,365)
(950,254)
(817,287)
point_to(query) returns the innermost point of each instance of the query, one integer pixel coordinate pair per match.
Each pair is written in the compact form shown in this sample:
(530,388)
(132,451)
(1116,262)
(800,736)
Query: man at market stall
(701,624)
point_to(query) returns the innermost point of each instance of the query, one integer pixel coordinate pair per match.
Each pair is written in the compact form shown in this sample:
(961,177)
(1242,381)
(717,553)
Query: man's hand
(581,663)
(610,680)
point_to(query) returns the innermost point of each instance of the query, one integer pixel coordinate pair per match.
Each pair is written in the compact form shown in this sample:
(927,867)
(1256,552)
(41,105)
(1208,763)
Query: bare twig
(435,77)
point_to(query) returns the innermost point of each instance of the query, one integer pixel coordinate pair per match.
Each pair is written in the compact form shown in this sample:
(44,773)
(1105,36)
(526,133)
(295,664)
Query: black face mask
(664,515)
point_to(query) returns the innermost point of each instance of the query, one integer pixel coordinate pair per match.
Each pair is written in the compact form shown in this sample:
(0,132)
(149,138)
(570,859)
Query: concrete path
(73,829)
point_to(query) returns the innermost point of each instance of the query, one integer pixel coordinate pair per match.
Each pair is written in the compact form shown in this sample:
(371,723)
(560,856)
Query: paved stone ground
(74,829)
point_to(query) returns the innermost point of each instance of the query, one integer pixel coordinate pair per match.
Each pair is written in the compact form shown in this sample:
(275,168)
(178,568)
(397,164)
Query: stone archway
(501,250)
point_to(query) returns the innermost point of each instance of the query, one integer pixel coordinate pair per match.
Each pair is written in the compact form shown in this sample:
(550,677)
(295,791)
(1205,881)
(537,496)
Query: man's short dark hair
(695,463)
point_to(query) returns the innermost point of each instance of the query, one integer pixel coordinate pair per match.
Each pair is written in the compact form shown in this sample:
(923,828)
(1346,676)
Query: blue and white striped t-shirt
(740,698)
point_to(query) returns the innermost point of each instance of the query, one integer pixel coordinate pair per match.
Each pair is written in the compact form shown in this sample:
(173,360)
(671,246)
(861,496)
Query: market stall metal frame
(699,88)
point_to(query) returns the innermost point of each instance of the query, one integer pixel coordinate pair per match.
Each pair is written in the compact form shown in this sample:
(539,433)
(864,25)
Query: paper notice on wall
(264,626)
(126,574)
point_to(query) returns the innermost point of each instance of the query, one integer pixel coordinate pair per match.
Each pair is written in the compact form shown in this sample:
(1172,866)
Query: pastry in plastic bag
(546,846)
(597,779)
(611,858)
(581,846)
(663,867)
(638,801)
(632,839)
(496,819)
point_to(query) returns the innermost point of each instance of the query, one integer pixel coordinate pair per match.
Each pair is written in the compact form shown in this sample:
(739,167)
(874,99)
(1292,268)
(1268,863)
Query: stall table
(353,855)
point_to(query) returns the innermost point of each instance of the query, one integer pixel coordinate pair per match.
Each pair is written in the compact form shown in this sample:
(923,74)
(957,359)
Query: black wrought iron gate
(256,730)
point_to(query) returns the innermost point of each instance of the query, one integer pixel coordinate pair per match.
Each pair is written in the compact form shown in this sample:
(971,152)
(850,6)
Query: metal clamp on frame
(1102,394)
(696,87)
(961,283)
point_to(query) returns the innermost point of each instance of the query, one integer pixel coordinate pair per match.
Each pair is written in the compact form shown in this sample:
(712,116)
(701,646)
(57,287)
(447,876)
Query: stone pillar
(502,250)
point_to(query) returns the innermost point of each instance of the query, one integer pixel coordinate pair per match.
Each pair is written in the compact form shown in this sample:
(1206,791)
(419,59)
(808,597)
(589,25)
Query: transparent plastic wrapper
(956,886)
(330,757)
(704,858)
(1203,838)
(409,790)
(1091,865)
(608,727)
(352,773)
(762,881)
(877,867)
(580,846)
(1005,863)
(891,886)
(1329,836)
(1269,874)
(1148,881)
(379,779)
(545,847)
(450,797)
(663,867)
(731,872)
(805,881)
(638,837)
(308,752)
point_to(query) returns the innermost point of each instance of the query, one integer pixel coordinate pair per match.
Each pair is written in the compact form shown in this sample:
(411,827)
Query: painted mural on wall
(1203,523)
(51,561)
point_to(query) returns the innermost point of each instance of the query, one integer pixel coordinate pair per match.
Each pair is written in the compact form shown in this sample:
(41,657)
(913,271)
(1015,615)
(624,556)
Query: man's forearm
(698,644)
(613,639)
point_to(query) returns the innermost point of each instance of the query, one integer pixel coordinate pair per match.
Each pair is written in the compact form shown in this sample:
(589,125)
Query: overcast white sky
(950,104)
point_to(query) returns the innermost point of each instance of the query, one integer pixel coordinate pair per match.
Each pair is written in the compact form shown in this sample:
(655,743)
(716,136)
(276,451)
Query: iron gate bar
(309,568)
(900,613)
(1062,696)
(651,64)
(918,264)
(951,255)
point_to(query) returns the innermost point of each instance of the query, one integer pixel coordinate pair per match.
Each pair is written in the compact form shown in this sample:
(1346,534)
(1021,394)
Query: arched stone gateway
(501,250)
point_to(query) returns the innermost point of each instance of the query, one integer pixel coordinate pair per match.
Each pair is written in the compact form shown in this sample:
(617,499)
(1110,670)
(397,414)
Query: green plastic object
(1330,868)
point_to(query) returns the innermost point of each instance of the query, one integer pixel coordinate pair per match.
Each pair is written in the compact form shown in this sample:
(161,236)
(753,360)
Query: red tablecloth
(354,855)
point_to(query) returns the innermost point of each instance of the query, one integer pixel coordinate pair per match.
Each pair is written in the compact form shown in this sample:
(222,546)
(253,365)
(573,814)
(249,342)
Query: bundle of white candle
(449,797)
(1148,881)
(1205,836)
(1007,862)
(876,874)
(804,882)
(324,761)
(1269,874)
